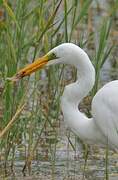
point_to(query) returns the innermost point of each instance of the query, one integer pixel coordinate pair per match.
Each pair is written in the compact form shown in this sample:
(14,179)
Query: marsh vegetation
(34,141)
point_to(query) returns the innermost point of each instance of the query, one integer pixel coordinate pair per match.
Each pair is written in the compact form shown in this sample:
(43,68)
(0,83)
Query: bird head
(65,53)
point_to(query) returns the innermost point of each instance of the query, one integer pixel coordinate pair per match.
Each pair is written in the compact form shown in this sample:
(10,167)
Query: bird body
(102,128)
(105,112)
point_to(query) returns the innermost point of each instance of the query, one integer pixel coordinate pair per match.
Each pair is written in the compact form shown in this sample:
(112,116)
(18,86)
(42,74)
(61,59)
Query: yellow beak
(37,64)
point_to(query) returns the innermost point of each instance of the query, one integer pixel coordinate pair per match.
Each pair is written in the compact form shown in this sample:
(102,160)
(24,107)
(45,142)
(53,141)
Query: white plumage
(102,128)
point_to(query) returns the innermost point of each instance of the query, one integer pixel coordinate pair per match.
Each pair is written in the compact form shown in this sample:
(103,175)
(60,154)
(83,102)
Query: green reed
(30,29)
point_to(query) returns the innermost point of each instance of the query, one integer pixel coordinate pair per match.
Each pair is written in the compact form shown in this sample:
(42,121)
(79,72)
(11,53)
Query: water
(67,163)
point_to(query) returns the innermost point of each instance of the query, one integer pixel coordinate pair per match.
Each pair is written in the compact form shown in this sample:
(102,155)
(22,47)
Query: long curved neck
(73,94)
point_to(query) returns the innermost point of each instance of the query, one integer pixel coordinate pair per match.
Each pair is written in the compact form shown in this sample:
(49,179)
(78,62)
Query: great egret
(102,128)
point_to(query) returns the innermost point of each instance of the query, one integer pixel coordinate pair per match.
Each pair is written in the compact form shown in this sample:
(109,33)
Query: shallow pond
(59,161)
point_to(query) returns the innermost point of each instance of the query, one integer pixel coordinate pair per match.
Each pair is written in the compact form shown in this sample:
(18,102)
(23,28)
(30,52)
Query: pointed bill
(37,64)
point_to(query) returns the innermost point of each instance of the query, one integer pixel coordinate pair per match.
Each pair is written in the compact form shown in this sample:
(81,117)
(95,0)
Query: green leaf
(1,2)
(11,13)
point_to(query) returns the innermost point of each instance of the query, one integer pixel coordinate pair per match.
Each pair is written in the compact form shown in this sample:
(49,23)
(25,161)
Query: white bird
(102,128)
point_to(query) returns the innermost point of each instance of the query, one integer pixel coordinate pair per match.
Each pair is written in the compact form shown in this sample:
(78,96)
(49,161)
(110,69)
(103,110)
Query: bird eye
(52,56)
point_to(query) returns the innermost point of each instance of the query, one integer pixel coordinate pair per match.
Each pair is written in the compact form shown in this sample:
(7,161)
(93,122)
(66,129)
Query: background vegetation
(31,122)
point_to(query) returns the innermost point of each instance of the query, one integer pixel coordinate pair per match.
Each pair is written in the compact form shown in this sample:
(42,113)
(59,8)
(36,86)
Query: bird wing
(105,112)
